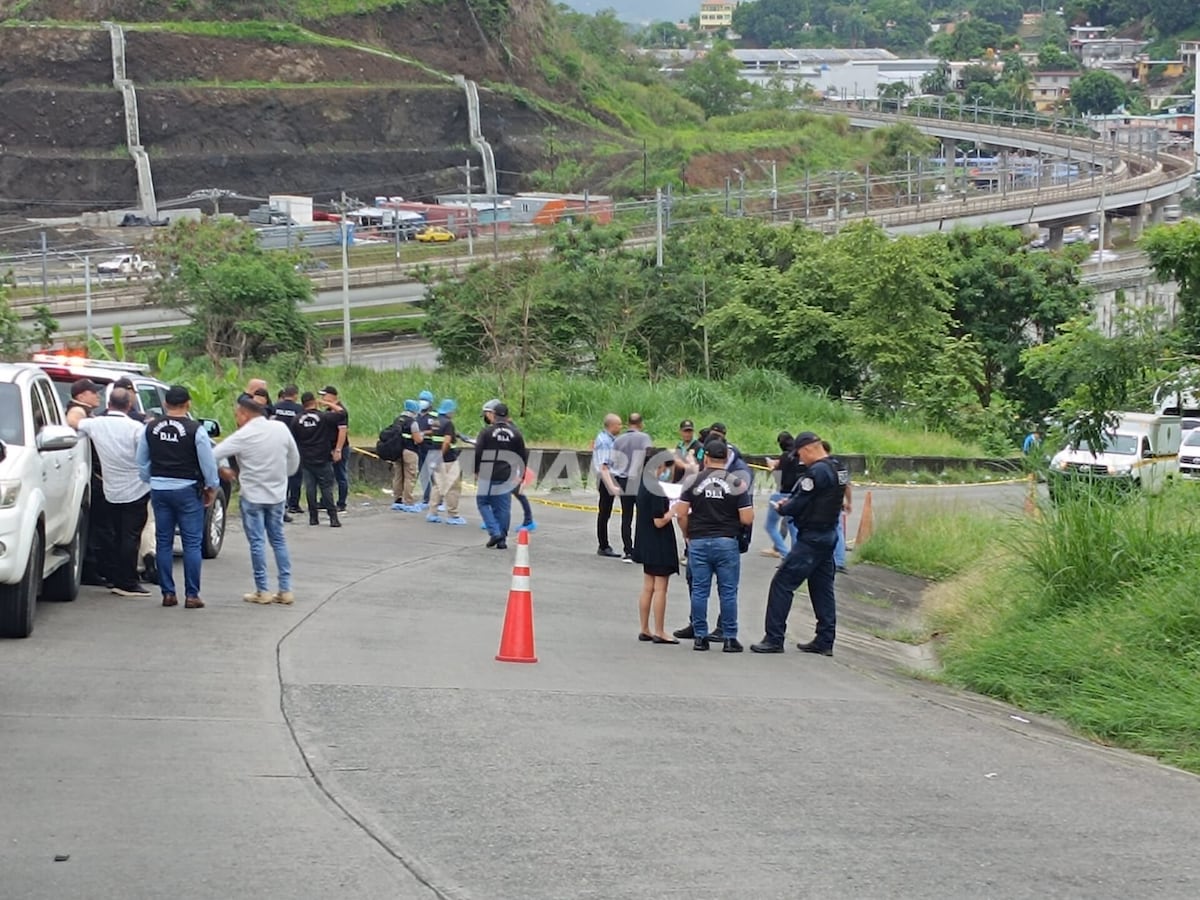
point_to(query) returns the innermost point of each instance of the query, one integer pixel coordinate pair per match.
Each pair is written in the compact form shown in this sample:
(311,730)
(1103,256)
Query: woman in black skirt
(655,548)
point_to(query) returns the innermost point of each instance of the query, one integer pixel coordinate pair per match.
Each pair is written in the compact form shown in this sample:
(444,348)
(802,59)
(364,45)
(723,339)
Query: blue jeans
(182,509)
(776,526)
(494,501)
(707,557)
(264,522)
(839,549)
(811,559)
(341,475)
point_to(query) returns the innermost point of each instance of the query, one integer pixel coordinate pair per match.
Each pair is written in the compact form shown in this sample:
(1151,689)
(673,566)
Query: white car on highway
(45,480)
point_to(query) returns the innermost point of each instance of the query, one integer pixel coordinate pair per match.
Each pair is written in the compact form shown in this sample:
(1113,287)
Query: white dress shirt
(114,437)
(266,455)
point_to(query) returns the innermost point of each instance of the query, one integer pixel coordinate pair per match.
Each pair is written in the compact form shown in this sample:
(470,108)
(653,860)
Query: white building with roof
(840,74)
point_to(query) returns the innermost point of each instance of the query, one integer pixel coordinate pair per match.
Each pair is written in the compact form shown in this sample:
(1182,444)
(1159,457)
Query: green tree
(15,339)
(713,82)
(897,317)
(1005,300)
(1053,58)
(1174,252)
(1094,375)
(1098,92)
(243,303)
(937,80)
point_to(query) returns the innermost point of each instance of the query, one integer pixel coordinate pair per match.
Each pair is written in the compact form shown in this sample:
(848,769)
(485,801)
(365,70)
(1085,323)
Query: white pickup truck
(1141,452)
(127,264)
(45,483)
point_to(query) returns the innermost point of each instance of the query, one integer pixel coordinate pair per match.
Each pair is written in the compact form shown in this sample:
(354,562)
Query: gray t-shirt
(629,452)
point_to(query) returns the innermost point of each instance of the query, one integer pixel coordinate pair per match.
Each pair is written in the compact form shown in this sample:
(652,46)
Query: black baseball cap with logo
(687,425)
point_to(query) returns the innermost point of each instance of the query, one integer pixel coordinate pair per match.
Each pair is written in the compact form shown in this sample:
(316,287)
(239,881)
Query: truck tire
(214,526)
(63,583)
(18,601)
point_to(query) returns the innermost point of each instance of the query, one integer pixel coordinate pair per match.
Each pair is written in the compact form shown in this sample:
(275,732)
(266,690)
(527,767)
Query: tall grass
(567,411)
(1092,616)
(934,542)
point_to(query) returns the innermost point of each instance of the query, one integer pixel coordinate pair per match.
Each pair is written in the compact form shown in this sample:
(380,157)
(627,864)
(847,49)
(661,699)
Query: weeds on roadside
(1089,614)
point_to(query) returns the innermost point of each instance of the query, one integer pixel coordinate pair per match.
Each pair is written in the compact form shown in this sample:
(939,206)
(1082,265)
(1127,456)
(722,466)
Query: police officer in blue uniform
(815,506)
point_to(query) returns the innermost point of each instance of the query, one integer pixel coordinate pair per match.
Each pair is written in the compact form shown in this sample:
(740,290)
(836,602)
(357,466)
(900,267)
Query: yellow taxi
(435,234)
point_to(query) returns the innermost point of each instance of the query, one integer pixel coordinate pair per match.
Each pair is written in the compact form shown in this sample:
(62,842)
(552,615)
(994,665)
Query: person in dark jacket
(655,549)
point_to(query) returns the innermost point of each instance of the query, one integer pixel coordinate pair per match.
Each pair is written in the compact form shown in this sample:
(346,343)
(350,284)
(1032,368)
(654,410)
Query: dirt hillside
(257,116)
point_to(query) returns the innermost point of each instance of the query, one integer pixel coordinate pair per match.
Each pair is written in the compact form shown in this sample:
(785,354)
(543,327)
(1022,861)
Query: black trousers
(295,482)
(628,504)
(318,475)
(602,517)
(123,537)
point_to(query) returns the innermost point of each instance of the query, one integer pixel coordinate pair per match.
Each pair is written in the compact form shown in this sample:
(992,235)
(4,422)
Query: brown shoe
(287,598)
(170,600)
(193,603)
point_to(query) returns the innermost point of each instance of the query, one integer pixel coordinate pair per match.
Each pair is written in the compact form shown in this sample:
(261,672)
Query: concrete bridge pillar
(949,154)
(1137,222)
(1055,240)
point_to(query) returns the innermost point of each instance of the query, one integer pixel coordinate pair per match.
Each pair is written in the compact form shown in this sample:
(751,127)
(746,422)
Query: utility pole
(44,285)
(87,299)
(470,236)
(741,191)
(495,228)
(658,228)
(344,208)
(727,197)
(774,185)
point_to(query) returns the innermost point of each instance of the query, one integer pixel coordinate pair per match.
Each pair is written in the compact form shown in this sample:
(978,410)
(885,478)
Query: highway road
(75,323)
(364,743)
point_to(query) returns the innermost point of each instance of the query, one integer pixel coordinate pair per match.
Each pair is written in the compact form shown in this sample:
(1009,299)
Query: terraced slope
(367,105)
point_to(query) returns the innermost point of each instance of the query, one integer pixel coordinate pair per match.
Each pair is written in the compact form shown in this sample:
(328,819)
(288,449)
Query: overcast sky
(640,10)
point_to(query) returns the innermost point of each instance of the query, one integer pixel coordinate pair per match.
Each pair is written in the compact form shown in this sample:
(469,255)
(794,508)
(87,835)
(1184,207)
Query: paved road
(155,316)
(364,742)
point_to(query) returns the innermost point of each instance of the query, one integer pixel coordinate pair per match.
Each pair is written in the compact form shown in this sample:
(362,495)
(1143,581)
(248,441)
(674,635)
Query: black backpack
(391,442)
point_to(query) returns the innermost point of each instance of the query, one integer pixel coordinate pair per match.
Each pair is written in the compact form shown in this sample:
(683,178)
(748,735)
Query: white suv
(45,479)
(149,394)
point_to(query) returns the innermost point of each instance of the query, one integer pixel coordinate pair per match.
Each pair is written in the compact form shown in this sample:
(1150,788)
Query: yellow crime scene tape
(582,507)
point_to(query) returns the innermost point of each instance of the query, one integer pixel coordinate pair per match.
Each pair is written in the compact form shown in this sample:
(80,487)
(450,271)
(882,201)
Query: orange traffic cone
(866,523)
(516,642)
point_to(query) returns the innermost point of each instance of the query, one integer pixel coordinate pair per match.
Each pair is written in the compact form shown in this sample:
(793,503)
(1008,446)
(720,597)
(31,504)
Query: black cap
(177,395)
(125,382)
(804,438)
(82,386)
(687,425)
(717,427)
(716,448)
(308,397)
(329,389)
(500,410)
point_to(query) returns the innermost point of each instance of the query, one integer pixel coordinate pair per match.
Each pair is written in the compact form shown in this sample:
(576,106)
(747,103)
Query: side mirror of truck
(211,427)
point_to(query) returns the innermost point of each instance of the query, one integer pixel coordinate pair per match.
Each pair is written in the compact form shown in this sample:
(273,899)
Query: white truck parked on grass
(45,483)
(126,264)
(1141,452)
